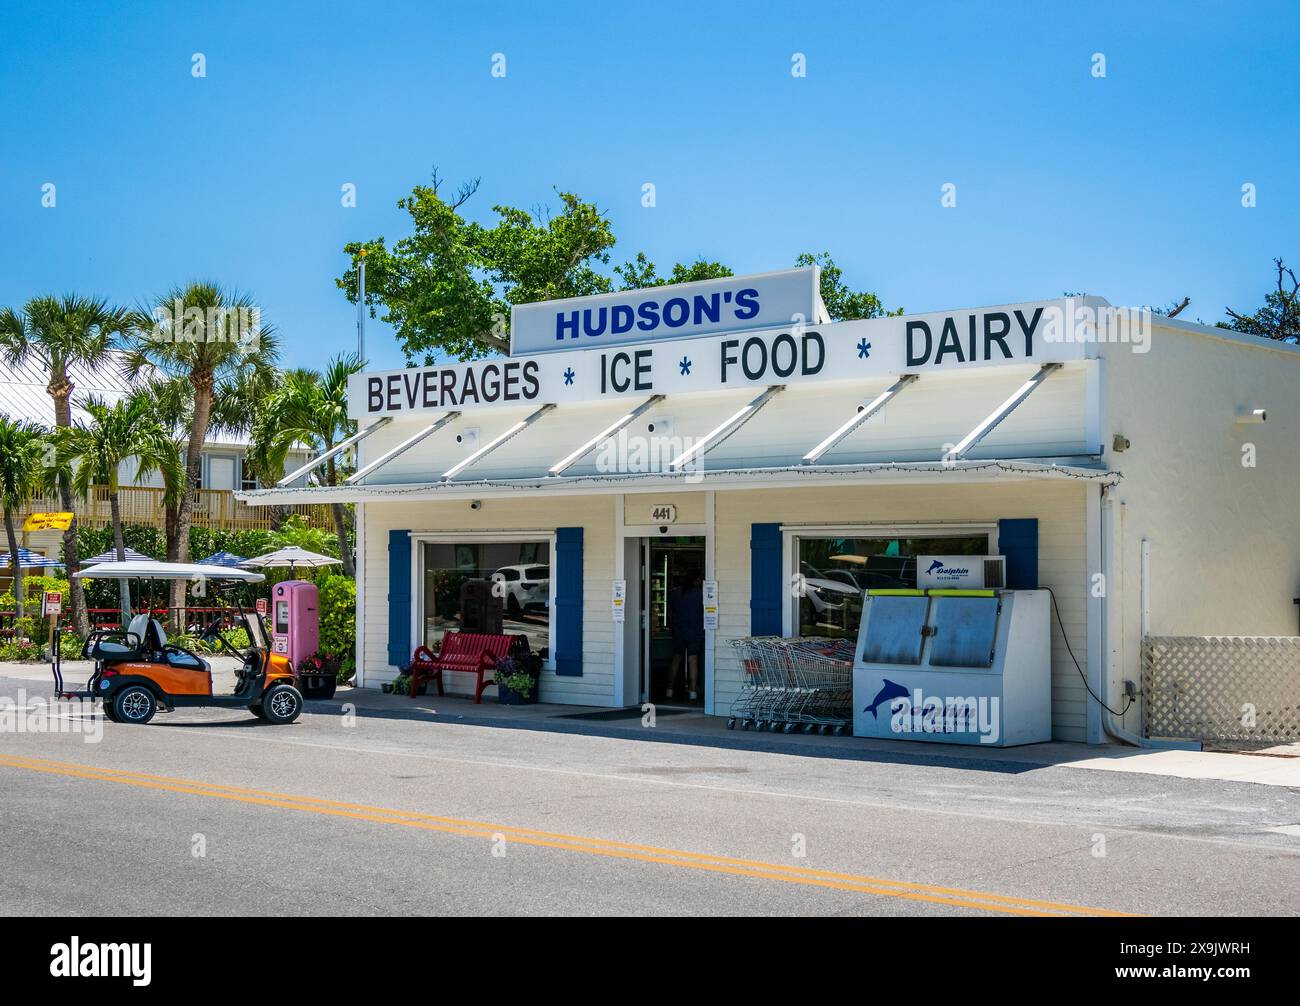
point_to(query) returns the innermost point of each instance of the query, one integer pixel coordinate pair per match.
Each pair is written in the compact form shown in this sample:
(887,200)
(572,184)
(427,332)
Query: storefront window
(834,572)
(522,570)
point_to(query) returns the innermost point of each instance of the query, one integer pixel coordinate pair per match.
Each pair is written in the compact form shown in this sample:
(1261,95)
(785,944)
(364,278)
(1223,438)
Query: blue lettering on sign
(651,314)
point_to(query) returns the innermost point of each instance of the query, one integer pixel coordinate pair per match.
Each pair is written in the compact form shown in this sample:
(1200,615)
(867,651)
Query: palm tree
(61,333)
(209,336)
(251,407)
(24,474)
(171,405)
(313,408)
(95,451)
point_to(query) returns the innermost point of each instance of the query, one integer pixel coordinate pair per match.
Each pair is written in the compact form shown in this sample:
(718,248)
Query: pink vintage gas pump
(295,632)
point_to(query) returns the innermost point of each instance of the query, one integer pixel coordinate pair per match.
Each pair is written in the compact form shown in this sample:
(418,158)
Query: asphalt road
(390,812)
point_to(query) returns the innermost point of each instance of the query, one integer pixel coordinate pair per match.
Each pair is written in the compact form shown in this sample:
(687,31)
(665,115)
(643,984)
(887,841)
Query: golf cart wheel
(731,723)
(107,707)
(281,704)
(134,704)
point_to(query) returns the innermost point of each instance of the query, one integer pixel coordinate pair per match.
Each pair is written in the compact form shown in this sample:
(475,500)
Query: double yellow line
(951,896)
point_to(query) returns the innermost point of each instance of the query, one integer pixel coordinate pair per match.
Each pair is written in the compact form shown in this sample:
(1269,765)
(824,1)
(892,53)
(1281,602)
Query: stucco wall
(1224,537)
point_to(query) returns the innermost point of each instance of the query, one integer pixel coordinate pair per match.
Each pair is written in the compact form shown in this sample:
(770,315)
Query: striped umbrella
(223,559)
(111,556)
(27,560)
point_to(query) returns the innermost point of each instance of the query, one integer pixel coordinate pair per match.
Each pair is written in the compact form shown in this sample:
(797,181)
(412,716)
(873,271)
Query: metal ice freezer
(954,666)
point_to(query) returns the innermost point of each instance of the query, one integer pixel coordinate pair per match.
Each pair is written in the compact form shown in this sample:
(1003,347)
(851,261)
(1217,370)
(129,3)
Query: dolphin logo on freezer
(937,564)
(891,690)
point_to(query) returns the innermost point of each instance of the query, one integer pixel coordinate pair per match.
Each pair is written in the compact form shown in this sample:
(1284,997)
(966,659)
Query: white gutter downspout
(1112,546)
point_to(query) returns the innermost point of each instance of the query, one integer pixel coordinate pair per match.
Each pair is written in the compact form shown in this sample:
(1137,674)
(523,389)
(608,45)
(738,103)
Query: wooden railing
(215,508)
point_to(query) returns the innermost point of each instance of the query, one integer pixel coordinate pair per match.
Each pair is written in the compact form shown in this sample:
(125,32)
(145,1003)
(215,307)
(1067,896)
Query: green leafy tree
(25,472)
(1279,317)
(641,273)
(209,336)
(94,452)
(60,334)
(843,304)
(447,288)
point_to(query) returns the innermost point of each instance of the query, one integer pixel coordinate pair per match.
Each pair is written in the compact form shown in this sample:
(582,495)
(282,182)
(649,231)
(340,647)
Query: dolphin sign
(891,690)
(937,564)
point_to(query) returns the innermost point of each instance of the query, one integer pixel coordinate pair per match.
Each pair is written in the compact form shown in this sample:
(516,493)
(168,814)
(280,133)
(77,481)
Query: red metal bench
(471,652)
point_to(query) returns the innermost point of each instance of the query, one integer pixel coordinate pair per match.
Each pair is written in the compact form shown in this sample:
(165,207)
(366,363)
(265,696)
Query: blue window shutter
(399,598)
(1018,541)
(765,591)
(568,601)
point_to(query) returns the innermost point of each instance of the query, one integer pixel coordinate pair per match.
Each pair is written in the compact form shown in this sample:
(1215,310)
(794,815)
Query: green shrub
(238,638)
(338,620)
(20,649)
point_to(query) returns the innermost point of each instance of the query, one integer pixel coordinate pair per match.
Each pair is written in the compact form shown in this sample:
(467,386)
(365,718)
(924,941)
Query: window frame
(421,538)
(792,534)
(246,483)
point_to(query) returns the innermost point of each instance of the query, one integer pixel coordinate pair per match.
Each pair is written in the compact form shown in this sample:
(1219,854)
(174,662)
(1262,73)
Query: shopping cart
(804,684)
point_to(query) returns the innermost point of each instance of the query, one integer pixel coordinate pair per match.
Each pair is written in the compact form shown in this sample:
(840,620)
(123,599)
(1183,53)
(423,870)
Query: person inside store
(686,611)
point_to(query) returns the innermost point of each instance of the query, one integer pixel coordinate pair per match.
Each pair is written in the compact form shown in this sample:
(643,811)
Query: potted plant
(319,675)
(516,682)
(401,685)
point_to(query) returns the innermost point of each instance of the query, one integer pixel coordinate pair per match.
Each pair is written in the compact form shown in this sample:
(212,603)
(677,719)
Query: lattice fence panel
(1241,689)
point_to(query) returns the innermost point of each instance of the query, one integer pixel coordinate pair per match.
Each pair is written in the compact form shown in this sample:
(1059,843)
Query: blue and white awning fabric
(223,559)
(131,555)
(27,560)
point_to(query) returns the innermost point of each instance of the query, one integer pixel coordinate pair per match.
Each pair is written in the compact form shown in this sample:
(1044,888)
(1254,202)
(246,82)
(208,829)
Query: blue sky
(1128,186)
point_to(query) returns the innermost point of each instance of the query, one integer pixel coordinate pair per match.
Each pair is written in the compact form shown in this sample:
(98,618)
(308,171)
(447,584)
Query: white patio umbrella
(293,557)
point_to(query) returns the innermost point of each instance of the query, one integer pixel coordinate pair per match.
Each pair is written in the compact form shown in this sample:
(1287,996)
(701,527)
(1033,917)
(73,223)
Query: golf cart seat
(173,656)
(128,645)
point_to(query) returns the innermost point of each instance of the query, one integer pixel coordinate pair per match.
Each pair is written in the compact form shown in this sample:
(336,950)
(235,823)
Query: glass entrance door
(672,651)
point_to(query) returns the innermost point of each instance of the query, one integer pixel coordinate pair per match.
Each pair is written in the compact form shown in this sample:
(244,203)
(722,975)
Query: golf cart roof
(136,569)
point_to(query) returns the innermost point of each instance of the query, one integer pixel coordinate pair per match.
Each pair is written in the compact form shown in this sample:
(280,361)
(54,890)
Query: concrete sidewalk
(1280,767)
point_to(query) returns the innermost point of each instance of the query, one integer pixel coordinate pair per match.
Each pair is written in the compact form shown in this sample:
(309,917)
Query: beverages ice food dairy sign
(853,350)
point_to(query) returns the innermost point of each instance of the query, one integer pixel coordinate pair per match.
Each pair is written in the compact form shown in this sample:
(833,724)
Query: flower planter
(509,697)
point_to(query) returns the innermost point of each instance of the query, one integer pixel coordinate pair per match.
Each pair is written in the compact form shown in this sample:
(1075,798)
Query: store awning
(937,472)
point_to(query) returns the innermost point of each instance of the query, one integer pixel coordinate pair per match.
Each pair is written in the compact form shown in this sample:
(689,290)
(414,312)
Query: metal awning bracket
(994,419)
(858,418)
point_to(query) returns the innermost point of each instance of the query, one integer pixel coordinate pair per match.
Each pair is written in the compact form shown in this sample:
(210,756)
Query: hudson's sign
(677,311)
(866,351)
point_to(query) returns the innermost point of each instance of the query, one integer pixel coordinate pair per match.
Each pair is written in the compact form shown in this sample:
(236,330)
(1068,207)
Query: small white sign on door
(711,604)
(618,600)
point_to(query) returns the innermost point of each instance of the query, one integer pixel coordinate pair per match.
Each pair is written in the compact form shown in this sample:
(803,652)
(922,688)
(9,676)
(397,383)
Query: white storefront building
(1146,470)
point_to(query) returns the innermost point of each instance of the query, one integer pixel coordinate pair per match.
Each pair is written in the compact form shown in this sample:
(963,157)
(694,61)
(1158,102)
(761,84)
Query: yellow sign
(48,522)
